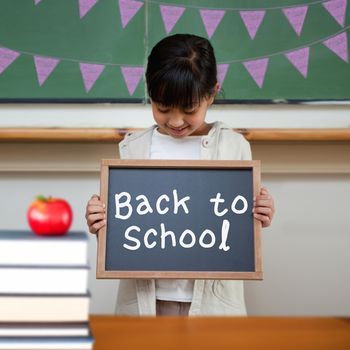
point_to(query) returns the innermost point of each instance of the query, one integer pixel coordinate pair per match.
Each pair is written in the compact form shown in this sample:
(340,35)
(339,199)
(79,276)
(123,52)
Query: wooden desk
(163,333)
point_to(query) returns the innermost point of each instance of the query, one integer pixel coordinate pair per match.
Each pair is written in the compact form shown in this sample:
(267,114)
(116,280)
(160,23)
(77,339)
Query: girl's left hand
(264,207)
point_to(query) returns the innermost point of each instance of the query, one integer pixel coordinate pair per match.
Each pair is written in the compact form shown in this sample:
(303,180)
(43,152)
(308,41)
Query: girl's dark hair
(181,71)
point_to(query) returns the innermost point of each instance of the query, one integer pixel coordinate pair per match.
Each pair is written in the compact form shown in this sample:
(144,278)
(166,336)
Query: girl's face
(177,122)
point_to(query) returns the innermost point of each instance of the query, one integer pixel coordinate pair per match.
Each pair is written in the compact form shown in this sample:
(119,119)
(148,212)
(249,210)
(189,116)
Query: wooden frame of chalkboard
(144,192)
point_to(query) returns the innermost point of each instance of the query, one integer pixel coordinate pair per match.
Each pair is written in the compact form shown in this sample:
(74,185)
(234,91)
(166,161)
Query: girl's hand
(95,214)
(264,207)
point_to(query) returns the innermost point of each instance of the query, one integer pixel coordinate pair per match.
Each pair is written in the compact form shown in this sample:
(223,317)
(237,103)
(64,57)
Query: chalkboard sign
(179,219)
(95,51)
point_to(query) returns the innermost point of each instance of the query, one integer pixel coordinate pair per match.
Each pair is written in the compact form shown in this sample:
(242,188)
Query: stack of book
(44,298)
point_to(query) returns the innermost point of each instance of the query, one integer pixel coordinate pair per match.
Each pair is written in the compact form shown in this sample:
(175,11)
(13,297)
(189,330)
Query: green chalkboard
(96,50)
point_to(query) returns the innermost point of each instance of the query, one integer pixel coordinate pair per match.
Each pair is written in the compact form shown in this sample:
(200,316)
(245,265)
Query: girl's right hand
(95,214)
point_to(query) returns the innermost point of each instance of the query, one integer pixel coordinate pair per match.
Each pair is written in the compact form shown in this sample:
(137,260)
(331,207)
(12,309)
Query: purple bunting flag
(300,59)
(296,17)
(85,6)
(128,9)
(252,21)
(211,19)
(90,73)
(170,16)
(7,57)
(339,45)
(44,67)
(257,69)
(36,2)
(132,77)
(221,73)
(337,9)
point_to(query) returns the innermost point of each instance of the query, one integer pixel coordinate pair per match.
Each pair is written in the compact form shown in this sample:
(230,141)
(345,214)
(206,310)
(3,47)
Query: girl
(182,83)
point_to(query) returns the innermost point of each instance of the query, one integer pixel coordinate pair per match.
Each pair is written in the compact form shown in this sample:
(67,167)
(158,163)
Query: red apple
(50,216)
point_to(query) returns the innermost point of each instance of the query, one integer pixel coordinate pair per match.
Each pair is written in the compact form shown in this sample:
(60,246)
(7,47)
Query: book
(44,307)
(47,343)
(44,298)
(37,329)
(27,248)
(43,279)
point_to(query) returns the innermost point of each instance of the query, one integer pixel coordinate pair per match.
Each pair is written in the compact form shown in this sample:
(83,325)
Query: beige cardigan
(210,297)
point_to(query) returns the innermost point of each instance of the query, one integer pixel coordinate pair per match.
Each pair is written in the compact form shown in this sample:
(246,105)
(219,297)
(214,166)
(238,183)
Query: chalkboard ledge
(107,135)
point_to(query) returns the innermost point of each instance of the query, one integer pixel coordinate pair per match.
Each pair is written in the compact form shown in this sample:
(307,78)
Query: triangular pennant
(221,73)
(296,17)
(252,21)
(337,9)
(132,77)
(7,57)
(339,45)
(170,16)
(90,73)
(128,9)
(85,6)
(211,19)
(300,59)
(36,2)
(257,69)
(44,67)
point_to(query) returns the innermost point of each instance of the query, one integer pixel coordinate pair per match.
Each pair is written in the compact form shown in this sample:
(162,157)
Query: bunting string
(68,59)
(237,8)
(86,5)
(171,12)
(240,60)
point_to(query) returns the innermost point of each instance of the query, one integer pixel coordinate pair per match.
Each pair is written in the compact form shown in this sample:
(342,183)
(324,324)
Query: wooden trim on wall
(326,134)
(62,134)
(117,134)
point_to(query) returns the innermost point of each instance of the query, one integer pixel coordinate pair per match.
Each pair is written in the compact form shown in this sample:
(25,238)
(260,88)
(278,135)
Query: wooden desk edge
(258,333)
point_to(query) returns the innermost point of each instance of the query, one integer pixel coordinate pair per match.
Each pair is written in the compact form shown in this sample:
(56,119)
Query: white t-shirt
(167,147)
